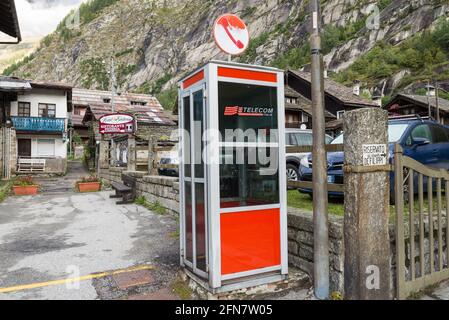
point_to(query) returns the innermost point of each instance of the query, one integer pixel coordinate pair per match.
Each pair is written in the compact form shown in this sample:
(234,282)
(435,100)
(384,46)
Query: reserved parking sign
(374,154)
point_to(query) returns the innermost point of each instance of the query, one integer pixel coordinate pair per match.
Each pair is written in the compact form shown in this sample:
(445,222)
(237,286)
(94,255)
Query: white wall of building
(36,96)
(47,96)
(60,147)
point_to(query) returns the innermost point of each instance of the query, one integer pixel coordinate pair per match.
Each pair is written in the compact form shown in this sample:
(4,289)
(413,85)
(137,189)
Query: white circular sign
(231,34)
(116,119)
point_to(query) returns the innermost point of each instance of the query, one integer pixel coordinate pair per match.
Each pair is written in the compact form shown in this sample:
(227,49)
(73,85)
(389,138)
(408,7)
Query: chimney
(356,88)
(430,90)
(377,99)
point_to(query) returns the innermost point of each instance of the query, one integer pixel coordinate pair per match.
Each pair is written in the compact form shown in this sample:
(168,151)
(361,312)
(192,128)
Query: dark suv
(423,140)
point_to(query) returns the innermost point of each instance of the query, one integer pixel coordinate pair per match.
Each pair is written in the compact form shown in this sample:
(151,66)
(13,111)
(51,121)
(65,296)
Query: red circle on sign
(231,34)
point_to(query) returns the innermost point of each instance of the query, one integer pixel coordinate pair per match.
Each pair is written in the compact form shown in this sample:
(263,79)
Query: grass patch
(5,188)
(417,295)
(303,201)
(182,289)
(156,207)
(174,234)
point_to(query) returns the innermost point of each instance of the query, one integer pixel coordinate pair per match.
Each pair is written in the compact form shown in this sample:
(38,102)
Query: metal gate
(422,242)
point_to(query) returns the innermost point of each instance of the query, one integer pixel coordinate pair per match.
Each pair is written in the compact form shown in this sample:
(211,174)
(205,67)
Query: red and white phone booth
(233,208)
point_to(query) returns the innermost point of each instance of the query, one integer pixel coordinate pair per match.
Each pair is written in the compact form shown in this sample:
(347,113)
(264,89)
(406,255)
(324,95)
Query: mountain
(155,42)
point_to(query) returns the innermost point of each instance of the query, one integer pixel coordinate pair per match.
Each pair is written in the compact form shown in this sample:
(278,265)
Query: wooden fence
(420,248)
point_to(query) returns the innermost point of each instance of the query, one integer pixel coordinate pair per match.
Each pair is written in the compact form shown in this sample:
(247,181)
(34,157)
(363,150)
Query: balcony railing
(38,124)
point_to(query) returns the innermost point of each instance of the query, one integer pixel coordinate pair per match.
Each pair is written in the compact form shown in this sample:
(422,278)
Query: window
(303,139)
(23,109)
(138,103)
(246,181)
(439,134)
(77,111)
(304,118)
(46,147)
(106,100)
(340,114)
(421,131)
(47,110)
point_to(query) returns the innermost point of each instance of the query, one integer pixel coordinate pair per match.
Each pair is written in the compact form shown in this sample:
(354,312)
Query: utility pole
(437,102)
(114,89)
(319,158)
(429,110)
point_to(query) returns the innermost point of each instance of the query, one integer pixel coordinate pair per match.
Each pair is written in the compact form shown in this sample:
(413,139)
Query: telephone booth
(232,176)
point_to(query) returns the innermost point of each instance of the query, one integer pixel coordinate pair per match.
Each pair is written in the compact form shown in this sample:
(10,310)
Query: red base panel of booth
(250,240)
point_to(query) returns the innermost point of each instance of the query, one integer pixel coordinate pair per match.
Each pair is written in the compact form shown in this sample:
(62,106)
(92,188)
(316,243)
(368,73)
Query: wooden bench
(125,190)
(31,165)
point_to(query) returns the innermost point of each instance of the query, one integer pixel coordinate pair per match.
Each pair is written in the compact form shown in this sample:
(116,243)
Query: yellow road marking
(71,280)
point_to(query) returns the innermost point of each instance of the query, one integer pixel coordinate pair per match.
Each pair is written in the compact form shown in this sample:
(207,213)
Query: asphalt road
(46,238)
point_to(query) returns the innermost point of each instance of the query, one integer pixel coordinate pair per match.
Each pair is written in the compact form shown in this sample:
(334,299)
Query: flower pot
(25,190)
(89,186)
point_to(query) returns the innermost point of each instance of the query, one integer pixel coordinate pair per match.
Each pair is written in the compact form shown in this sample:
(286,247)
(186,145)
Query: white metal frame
(212,193)
(200,86)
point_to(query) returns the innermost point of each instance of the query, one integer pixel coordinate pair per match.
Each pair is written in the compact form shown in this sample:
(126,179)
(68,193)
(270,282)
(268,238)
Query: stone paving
(58,236)
(66,183)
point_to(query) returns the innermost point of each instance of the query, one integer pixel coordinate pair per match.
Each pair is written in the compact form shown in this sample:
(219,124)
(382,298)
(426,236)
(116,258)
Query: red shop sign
(117,123)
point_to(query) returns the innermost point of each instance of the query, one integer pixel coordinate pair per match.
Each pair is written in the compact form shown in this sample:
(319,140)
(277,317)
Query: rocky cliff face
(155,42)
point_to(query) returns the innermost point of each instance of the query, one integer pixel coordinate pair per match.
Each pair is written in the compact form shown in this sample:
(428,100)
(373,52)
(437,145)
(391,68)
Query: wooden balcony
(38,124)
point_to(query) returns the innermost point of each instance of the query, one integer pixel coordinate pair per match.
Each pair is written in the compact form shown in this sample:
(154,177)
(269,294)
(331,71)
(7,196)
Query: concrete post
(132,157)
(152,171)
(103,160)
(367,190)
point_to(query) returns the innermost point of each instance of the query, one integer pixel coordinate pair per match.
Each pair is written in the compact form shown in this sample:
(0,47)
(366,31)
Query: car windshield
(395,132)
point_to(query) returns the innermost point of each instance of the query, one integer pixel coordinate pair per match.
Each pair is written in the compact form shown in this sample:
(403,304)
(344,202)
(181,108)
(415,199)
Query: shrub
(24,181)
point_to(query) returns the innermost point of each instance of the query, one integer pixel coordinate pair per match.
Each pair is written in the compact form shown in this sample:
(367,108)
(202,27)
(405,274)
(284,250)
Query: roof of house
(290,92)
(99,104)
(334,124)
(17,84)
(9,23)
(302,103)
(50,85)
(422,101)
(338,91)
(13,84)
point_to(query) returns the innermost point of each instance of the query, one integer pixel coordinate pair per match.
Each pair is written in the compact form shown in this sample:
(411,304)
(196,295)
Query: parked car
(297,137)
(170,157)
(422,140)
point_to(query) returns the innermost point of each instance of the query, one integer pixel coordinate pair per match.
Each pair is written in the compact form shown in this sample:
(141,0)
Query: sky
(38,18)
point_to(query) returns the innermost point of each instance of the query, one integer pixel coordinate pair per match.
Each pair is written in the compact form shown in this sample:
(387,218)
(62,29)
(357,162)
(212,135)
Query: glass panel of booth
(249,151)
(186,136)
(200,203)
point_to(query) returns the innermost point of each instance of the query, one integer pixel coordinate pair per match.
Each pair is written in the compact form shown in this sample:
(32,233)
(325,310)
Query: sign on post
(374,154)
(231,34)
(117,124)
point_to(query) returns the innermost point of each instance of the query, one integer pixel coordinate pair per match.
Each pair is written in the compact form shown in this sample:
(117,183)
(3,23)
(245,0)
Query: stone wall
(300,245)
(164,190)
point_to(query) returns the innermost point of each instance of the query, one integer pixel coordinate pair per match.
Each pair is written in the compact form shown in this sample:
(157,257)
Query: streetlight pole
(319,158)
(114,89)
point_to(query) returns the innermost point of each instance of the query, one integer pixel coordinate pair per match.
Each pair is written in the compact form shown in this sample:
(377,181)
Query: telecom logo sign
(248,111)
(116,124)
(231,34)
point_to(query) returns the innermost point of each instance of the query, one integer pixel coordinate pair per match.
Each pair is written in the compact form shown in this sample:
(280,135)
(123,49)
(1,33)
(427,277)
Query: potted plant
(25,186)
(88,184)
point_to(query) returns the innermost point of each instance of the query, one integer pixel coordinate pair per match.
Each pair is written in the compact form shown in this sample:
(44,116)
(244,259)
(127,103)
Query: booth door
(249,180)
(195,217)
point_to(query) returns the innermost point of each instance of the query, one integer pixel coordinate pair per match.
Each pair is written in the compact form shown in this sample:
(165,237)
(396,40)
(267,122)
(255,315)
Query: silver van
(298,137)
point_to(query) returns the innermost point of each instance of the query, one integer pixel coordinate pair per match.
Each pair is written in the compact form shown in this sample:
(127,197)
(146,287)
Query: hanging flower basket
(25,187)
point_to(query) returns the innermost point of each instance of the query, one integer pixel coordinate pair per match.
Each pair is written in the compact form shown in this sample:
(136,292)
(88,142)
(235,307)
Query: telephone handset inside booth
(233,216)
